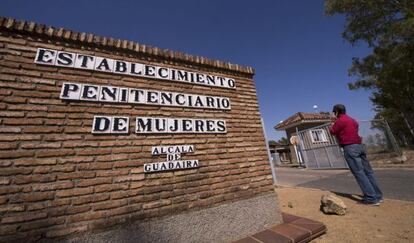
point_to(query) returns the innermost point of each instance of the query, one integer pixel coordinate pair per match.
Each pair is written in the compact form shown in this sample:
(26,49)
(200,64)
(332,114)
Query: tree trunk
(409,122)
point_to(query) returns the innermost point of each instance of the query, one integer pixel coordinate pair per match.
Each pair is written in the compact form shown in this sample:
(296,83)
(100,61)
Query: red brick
(61,137)
(15,154)
(55,115)
(14,99)
(37,206)
(12,208)
(65,231)
(36,145)
(22,72)
(16,114)
(18,122)
(8,229)
(66,109)
(4,181)
(77,130)
(73,144)
(23,218)
(93,151)
(156,204)
(125,193)
(45,101)
(114,143)
(111,187)
(128,163)
(107,173)
(94,181)
(137,177)
(45,129)
(55,153)
(95,166)
(86,216)
(38,81)
(139,170)
(125,210)
(110,204)
(32,197)
(34,162)
(5,163)
(8,145)
(126,150)
(10,129)
(3,200)
(105,223)
(25,107)
(76,175)
(138,199)
(75,122)
(74,192)
(31,93)
(5,92)
(135,185)
(38,114)
(55,122)
(15,171)
(112,157)
(66,168)
(90,199)
(42,224)
(19,137)
(76,159)
(68,210)
(60,202)
(53,186)
(42,170)
(24,179)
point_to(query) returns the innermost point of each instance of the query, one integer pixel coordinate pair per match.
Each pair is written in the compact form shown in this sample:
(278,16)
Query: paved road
(395,183)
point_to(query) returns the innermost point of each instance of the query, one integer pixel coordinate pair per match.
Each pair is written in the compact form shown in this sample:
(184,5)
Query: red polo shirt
(346,130)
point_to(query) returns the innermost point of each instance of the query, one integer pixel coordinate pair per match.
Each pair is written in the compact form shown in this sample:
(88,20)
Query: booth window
(318,136)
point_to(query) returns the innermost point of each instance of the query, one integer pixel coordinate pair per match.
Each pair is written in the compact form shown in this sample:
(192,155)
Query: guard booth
(318,149)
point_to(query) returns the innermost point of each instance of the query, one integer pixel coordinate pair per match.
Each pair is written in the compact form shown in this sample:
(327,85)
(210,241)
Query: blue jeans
(356,159)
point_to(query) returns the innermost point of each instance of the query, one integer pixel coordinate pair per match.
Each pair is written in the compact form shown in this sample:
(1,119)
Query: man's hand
(333,118)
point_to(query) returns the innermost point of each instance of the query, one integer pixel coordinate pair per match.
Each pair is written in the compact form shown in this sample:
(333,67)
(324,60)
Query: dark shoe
(369,203)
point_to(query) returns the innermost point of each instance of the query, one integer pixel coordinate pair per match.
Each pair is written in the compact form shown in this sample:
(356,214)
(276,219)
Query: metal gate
(318,149)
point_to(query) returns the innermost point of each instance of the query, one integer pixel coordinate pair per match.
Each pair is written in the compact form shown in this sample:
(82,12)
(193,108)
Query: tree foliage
(387,26)
(283,141)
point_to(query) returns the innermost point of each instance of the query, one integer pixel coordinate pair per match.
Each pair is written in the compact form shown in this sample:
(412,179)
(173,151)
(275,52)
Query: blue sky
(298,53)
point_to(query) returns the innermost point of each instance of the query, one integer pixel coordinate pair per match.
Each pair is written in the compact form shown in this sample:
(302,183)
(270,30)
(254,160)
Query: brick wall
(56,178)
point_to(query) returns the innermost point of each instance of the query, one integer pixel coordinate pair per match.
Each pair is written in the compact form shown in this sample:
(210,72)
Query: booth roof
(302,117)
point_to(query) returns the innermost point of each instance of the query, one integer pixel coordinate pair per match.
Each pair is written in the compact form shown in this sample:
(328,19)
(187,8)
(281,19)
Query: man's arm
(335,128)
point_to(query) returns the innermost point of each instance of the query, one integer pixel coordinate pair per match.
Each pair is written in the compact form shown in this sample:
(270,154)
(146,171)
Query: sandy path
(393,221)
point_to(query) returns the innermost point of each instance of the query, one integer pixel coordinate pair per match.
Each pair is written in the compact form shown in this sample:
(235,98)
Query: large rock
(331,204)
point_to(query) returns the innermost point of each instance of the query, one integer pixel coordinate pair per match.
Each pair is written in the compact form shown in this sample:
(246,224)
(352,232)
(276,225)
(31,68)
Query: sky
(299,55)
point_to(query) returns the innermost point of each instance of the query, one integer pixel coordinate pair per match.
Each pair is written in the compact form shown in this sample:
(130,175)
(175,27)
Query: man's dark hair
(339,108)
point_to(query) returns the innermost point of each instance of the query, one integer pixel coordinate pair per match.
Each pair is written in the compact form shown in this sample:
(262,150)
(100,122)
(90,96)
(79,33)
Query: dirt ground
(392,221)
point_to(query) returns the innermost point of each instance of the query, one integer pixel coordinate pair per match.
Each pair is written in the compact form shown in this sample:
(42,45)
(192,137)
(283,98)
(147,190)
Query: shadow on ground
(395,184)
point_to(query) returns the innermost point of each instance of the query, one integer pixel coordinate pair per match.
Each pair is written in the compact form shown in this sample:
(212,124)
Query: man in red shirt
(346,131)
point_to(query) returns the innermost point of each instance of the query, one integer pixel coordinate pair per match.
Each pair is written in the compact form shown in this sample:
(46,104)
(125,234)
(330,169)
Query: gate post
(302,157)
(392,138)
(272,166)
